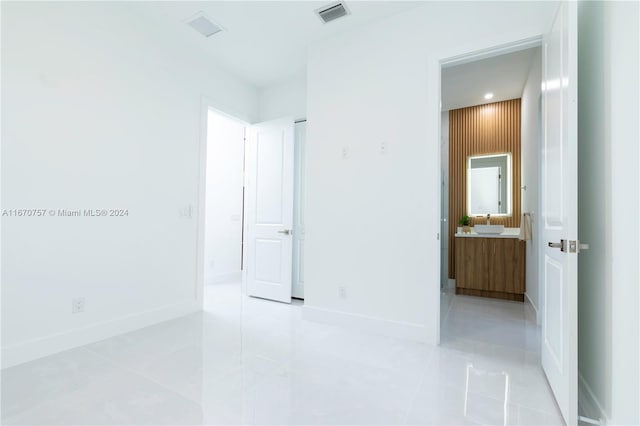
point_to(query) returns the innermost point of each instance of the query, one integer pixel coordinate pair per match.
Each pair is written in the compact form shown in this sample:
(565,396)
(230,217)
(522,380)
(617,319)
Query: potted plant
(465,222)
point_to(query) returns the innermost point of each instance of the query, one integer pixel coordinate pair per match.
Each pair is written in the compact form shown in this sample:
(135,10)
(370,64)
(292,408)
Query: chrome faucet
(488,218)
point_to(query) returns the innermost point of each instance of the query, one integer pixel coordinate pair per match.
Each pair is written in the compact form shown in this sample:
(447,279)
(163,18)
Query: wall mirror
(489,185)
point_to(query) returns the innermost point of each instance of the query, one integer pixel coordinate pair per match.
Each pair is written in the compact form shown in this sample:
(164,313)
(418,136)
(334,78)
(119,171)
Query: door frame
(299,187)
(206,105)
(438,61)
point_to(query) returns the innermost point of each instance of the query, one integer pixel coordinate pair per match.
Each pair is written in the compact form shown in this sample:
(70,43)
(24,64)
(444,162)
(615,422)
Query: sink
(488,229)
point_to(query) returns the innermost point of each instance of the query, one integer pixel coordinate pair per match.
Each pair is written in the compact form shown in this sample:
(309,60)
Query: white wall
(99,111)
(223,220)
(609,329)
(373,218)
(530,135)
(287,99)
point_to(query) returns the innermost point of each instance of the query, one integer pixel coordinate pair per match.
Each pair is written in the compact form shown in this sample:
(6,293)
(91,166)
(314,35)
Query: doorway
(224,199)
(484,255)
(251,208)
(490,132)
(490,129)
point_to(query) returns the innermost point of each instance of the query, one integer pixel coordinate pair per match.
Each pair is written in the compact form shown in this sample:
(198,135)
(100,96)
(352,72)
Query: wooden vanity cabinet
(490,267)
(472,254)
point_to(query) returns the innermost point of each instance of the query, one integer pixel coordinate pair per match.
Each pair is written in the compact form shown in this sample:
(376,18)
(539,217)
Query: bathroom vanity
(490,265)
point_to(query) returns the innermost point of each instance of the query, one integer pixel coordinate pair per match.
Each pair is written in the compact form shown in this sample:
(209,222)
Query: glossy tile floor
(252,361)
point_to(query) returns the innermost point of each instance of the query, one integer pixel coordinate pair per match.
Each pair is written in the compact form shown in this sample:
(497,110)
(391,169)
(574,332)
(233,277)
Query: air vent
(204,25)
(332,12)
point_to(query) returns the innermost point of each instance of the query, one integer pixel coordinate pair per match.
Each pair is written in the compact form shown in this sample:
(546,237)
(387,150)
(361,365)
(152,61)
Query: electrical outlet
(186,212)
(77,305)
(342,292)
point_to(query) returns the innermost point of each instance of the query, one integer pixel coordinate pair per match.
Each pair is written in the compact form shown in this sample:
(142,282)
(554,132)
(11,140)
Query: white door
(298,211)
(269,212)
(559,218)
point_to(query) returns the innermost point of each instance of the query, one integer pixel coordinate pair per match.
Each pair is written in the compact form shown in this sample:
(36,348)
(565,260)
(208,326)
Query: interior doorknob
(562,245)
(571,246)
(285,232)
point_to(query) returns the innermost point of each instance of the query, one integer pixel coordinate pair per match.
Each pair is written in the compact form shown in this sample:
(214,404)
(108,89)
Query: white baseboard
(37,348)
(229,277)
(531,310)
(403,330)
(589,402)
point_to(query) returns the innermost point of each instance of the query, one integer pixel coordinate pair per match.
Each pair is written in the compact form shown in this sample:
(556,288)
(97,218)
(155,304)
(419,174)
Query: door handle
(571,246)
(285,232)
(562,245)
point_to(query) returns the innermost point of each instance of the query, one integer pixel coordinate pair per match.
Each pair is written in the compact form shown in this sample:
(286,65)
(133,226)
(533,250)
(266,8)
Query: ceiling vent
(204,25)
(332,12)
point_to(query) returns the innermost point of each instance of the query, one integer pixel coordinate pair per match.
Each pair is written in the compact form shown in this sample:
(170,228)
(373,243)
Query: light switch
(383,148)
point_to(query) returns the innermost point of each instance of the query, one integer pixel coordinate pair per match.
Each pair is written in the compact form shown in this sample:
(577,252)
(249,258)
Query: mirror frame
(509,212)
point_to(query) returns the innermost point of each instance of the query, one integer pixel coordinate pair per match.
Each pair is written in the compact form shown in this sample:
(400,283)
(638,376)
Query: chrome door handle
(285,232)
(571,246)
(562,245)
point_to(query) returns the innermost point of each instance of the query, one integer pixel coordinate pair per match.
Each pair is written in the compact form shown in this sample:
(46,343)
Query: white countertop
(508,233)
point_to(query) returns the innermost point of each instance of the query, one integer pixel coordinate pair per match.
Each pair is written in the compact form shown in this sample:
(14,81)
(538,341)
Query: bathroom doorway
(490,131)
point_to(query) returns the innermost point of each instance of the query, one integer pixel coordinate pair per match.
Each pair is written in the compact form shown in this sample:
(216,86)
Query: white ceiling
(504,76)
(264,42)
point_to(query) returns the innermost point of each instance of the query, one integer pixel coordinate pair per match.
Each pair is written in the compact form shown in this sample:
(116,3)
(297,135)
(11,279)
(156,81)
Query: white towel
(525,228)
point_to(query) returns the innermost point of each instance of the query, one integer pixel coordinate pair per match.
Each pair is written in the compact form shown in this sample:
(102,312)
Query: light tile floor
(252,361)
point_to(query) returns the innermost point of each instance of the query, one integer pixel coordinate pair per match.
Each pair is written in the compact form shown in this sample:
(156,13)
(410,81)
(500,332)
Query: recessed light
(488,96)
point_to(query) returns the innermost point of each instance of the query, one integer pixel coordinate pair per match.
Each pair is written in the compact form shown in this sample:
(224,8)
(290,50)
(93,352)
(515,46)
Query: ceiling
(264,42)
(504,76)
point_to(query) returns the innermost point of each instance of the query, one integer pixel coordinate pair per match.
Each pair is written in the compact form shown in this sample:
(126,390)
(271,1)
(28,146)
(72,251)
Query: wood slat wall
(483,129)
